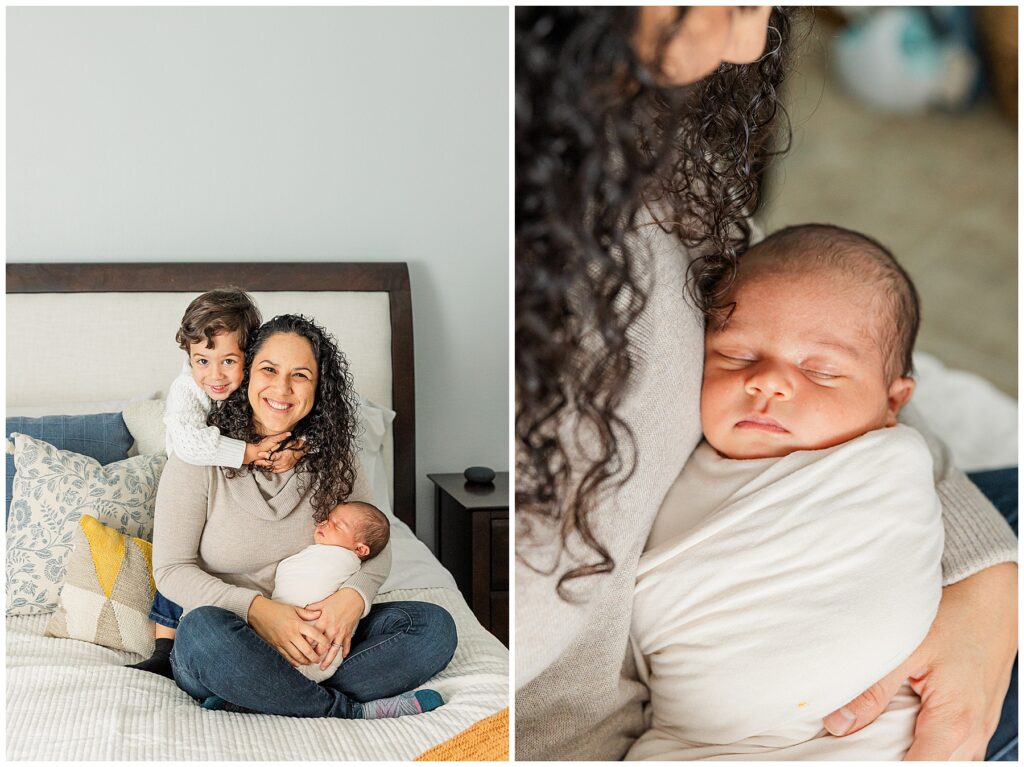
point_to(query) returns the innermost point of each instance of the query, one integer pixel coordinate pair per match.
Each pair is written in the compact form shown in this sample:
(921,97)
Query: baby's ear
(362,550)
(899,394)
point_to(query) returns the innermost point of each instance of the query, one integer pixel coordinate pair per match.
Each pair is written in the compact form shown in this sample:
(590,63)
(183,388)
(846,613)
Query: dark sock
(160,661)
(213,703)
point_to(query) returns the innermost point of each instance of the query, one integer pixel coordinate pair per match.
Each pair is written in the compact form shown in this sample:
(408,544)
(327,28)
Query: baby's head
(214,332)
(810,346)
(357,526)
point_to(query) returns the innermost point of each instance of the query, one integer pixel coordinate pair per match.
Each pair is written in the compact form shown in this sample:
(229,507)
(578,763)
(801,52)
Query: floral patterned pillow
(52,489)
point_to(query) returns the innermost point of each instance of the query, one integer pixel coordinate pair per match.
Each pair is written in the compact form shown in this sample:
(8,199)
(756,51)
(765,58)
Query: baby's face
(341,528)
(218,371)
(797,367)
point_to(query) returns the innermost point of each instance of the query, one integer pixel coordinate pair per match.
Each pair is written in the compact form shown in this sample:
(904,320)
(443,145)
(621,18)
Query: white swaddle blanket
(774,591)
(313,574)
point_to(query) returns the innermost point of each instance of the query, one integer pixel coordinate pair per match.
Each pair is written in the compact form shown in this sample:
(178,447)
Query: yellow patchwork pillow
(108,590)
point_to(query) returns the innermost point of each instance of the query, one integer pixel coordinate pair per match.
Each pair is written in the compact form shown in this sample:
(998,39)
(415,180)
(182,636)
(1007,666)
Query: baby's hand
(285,457)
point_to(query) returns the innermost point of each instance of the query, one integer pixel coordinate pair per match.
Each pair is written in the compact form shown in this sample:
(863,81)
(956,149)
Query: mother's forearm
(190,587)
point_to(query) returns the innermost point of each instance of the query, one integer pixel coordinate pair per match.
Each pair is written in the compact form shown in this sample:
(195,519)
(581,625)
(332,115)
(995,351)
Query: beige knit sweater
(218,541)
(578,696)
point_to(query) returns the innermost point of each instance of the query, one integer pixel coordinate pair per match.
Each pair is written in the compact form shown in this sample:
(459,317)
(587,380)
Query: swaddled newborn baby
(796,559)
(353,532)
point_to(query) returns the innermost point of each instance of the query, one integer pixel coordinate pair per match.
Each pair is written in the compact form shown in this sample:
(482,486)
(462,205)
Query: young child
(214,333)
(796,559)
(351,534)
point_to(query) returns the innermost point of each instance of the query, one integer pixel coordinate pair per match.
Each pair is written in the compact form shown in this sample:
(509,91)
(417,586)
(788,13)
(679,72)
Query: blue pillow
(102,436)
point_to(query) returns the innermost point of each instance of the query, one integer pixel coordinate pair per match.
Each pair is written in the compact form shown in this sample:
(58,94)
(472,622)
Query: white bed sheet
(975,419)
(412,564)
(70,700)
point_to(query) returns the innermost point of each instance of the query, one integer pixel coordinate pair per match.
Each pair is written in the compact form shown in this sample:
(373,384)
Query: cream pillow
(52,489)
(108,590)
(145,422)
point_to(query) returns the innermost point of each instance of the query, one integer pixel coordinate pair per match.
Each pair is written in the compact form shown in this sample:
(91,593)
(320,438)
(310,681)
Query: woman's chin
(275,424)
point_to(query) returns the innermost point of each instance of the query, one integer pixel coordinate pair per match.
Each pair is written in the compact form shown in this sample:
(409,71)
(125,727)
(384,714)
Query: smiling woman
(283,382)
(296,381)
(291,364)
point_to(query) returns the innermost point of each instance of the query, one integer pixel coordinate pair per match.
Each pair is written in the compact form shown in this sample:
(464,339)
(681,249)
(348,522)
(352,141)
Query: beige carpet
(939,190)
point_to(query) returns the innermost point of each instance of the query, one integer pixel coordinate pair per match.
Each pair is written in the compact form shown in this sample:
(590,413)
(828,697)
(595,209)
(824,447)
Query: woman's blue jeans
(164,611)
(397,647)
(1000,486)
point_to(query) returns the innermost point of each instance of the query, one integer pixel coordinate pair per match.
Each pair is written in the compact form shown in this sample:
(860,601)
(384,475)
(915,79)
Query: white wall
(267,134)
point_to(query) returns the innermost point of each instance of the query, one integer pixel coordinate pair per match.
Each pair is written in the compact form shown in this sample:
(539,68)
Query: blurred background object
(904,127)
(909,59)
(998,27)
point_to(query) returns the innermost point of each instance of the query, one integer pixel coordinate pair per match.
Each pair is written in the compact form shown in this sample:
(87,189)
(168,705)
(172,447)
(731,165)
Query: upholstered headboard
(94,332)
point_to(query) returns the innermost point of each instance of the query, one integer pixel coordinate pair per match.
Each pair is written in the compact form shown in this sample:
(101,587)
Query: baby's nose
(769,382)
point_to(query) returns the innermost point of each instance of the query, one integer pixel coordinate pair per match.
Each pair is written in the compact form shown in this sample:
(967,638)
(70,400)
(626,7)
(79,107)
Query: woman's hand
(285,628)
(339,616)
(961,671)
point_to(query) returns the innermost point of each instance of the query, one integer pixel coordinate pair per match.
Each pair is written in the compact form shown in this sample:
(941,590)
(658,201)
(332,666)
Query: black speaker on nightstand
(479,475)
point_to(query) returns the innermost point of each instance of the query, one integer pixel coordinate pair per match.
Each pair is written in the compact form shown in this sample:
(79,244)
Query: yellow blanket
(485,741)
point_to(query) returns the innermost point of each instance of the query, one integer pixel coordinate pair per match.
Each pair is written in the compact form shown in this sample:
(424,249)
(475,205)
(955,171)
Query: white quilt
(70,700)
(798,583)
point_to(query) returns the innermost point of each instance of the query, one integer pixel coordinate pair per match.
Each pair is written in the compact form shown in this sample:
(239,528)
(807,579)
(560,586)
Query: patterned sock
(418,702)
(160,661)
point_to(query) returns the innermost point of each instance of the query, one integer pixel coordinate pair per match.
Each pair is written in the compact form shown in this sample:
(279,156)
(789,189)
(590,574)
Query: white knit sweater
(188,436)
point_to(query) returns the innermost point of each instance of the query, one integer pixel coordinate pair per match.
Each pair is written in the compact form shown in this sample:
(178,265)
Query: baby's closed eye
(822,374)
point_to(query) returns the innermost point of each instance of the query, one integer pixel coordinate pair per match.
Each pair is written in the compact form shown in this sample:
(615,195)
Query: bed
(112,327)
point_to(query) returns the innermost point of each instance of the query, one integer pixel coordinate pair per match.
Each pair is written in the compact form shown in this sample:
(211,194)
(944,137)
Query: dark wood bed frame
(392,278)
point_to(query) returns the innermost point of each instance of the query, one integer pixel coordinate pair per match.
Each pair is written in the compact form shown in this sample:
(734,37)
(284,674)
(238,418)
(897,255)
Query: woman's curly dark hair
(331,426)
(597,141)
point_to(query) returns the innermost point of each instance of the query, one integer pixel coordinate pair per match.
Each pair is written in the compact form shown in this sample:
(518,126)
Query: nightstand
(472,542)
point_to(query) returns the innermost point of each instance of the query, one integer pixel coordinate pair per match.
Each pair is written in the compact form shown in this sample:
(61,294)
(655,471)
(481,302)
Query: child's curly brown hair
(224,310)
